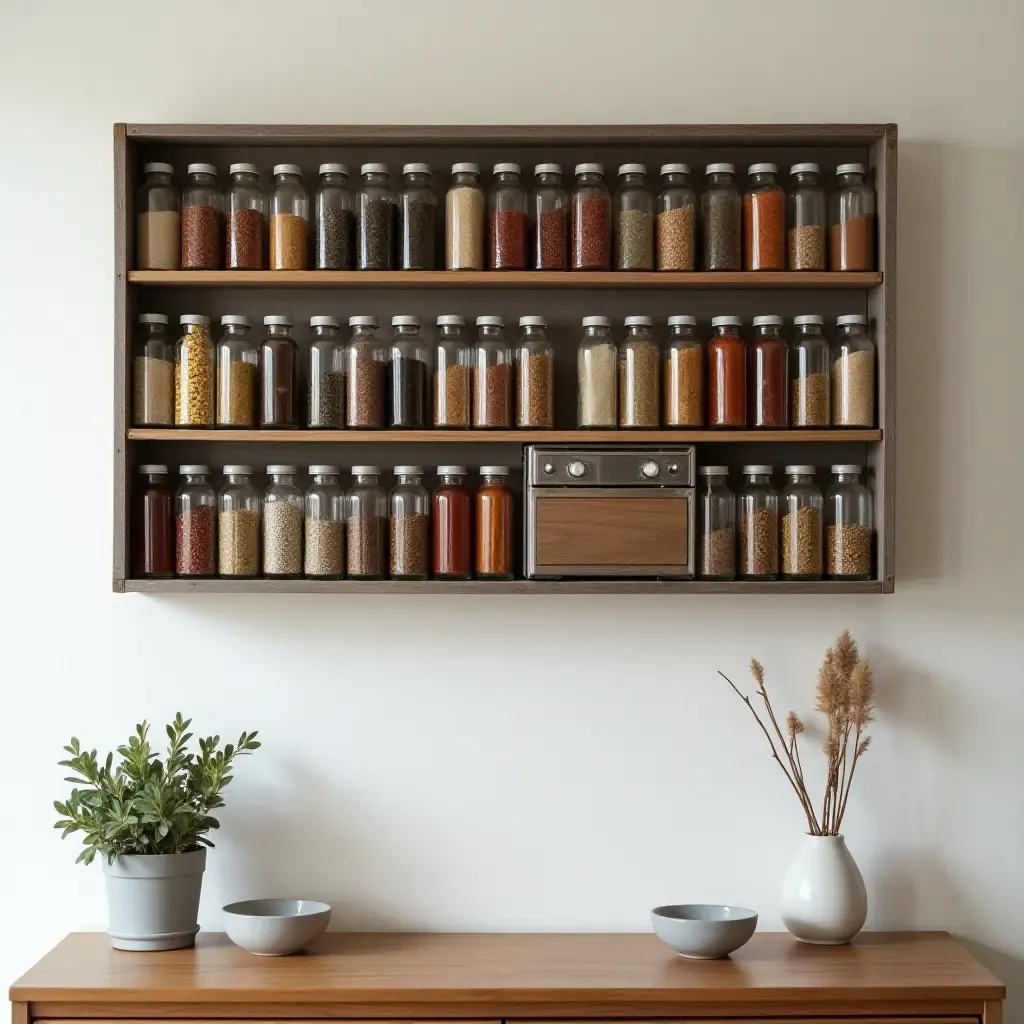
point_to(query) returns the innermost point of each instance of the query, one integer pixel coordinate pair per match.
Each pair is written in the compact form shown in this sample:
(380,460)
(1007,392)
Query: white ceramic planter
(823,896)
(153,902)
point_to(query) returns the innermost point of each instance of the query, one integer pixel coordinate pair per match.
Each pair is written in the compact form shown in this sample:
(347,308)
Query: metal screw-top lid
(762,169)
(362,321)
(507,168)
(366,471)
(682,321)
(452,471)
(726,321)
(713,471)
(324,471)
(490,321)
(768,321)
(675,169)
(287,169)
(805,168)
(282,470)
(451,320)
(193,469)
(465,167)
(405,321)
(152,468)
(632,169)
(809,318)
(194,318)
(548,169)
(153,318)
(801,470)
(416,168)
(237,470)
(280,321)
(722,168)
(243,169)
(408,471)
(324,321)
(851,318)
(334,169)
(201,169)
(757,470)
(157,167)
(494,470)
(850,169)
(639,321)
(590,168)
(597,321)
(532,321)
(847,468)
(374,168)
(234,320)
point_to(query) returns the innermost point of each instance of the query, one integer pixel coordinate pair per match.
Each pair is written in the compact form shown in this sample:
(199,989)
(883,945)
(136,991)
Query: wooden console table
(919,978)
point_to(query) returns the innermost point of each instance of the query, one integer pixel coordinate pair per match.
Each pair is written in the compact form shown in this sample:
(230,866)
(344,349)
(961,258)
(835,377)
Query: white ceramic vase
(823,896)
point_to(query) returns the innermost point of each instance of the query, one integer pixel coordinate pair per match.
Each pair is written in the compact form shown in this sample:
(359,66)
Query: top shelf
(507,279)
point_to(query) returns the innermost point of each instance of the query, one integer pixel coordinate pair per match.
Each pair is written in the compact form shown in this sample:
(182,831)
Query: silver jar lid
(202,169)
(405,320)
(675,169)
(548,169)
(808,167)
(334,169)
(808,318)
(638,321)
(280,321)
(507,168)
(632,169)
(684,320)
(194,318)
(452,471)
(282,470)
(597,321)
(409,471)
(848,468)
(763,169)
(466,167)
(419,168)
(490,321)
(287,169)
(590,168)
(726,321)
(237,470)
(362,321)
(243,169)
(325,471)
(494,470)
(153,318)
(851,318)
(157,167)
(366,471)
(713,471)
(533,321)
(800,470)
(771,320)
(374,168)
(152,468)
(324,321)
(234,320)
(850,169)
(757,470)
(194,469)
(451,320)
(720,168)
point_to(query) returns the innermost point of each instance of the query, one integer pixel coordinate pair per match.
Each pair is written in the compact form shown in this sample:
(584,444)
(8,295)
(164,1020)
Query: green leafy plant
(145,805)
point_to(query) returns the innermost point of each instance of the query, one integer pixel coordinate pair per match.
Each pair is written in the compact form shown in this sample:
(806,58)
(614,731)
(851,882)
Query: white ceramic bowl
(703,931)
(276,927)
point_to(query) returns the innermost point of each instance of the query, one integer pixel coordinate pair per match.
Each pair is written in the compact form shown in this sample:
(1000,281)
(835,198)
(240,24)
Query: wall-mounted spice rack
(563,296)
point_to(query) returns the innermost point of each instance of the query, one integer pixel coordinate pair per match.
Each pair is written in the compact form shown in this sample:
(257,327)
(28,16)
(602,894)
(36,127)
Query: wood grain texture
(993,1012)
(19,1013)
(588,437)
(122,186)
(495,975)
(355,279)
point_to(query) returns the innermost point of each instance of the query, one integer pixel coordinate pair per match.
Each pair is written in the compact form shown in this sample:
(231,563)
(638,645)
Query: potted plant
(148,819)
(823,896)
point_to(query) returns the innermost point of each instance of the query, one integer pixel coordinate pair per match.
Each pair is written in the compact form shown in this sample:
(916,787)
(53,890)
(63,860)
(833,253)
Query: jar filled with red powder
(766,376)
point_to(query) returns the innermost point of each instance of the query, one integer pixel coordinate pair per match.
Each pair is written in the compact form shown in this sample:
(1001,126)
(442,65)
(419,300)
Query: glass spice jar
(492,375)
(852,235)
(759,525)
(452,373)
(333,220)
(324,537)
(279,374)
(464,219)
(366,361)
(283,513)
(848,530)
(633,220)
(325,408)
(717,555)
(153,373)
(549,219)
(375,219)
(238,373)
(408,373)
(535,375)
(366,522)
(246,212)
(727,374)
(677,219)
(151,531)
(764,220)
(597,363)
(289,220)
(853,373)
(158,222)
(805,217)
(801,506)
(494,526)
(720,218)
(507,215)
(638,375)
(591,219)
(453,526)
(194,373)
(682,375)
(767,375)
(417,217)
(409,506)
(195,523)
(239,514)
(202,220)
(808,374)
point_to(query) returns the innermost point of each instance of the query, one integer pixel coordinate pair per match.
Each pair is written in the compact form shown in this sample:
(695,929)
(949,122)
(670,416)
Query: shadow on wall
(1009,970)
(958,364)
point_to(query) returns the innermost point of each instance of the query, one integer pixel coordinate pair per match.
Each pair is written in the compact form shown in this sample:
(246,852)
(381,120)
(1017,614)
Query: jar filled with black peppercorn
(549,219)
(417,215)
(151,531)
(366,360)
(195,523)
(202,220)
(721,219)
(634,220)
(279,372)
(408,372)
(334,222)
(507,216)
(243,248)
(326,395)
(591,219)
(375,219)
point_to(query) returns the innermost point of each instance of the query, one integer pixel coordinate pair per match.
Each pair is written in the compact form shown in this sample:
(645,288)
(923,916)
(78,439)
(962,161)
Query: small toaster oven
(623,512)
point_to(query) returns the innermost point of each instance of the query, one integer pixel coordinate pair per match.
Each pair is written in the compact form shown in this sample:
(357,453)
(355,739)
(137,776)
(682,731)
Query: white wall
(551,763)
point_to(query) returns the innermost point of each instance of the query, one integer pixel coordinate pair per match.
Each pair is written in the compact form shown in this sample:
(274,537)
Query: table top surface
(503,969)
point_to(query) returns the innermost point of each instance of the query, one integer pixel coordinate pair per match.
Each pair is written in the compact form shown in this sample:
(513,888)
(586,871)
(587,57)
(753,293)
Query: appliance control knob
(549,468)
(673,468)
(576,468)
(650,469)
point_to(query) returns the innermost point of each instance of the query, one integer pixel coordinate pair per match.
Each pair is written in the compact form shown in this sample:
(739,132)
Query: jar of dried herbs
(716,557)
(633,220)
(452,373)
(333,220)
(591,219)
(808,374)
(721,218)
(417,219)
(535,375)
(375,219)
(153,373)
(767,374)
(238,373)
(325,408)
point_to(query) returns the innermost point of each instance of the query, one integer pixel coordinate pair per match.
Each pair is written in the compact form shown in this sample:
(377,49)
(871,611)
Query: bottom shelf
(440,587)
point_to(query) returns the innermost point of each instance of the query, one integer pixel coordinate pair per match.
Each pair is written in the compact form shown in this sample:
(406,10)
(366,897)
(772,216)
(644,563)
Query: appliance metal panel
(605,467)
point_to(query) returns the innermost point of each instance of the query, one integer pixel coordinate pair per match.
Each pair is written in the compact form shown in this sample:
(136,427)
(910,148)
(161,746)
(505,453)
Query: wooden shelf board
(399,279)
(533,587)
(587,437)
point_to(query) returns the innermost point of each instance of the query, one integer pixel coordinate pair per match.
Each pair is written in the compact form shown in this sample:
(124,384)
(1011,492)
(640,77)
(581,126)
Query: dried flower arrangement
(846,697)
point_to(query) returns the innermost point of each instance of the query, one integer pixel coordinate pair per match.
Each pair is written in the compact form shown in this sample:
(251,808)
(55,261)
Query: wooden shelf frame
(874,292)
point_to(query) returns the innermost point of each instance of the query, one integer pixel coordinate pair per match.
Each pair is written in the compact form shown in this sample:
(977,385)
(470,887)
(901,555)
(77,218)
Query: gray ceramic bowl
(703,931)
(276,927)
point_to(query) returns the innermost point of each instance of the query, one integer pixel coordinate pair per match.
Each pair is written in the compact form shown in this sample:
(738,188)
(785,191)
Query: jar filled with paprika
(453,526)
(727,374)
(766,375)
(852,235)
(764,220)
